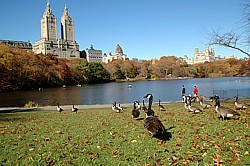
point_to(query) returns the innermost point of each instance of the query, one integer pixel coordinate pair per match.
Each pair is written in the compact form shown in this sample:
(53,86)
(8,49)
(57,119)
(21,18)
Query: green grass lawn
(102,137)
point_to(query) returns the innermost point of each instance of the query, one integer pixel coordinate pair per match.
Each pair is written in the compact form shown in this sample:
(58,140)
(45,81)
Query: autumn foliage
(21,70)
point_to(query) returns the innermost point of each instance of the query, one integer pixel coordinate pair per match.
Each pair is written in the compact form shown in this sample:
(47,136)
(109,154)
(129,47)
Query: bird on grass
(150,101)
(135,111)
(203,104)
(74,109)
(185,101)
(238,105)
(193,108)
(115,108)
(144,108)
(224,112)
(59,109)
(152,124)
(161,107)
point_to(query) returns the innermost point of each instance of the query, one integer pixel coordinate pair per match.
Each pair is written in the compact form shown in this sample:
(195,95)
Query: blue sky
(144,28)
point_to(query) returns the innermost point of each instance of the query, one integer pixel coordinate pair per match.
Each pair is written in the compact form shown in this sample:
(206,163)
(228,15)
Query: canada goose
(138,104)
(150,100)
(135,111)
(193,108)
(161,107)
(203,104)
(115,108)
(120,107)
(238,105)
(58,108)
(185,100)
(74,109)
(151,123)
(224,112)
(144,108)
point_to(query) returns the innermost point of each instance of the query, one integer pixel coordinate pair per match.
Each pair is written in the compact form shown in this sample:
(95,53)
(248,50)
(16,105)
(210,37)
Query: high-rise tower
(48,25)
(67,26)
(66,47)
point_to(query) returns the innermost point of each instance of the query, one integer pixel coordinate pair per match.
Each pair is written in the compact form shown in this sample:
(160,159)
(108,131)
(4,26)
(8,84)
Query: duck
(150,100)
(74,109)
(224,112)
(161,107)
(144,108)
(115,108)
(135,111)
(203,104)
(238,105)
(152,124)
(193,108)
(59,109)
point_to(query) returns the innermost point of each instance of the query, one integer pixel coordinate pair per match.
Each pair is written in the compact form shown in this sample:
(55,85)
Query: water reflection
(167,90)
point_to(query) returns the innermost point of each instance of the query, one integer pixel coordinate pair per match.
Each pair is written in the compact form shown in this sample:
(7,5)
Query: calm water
(167,90)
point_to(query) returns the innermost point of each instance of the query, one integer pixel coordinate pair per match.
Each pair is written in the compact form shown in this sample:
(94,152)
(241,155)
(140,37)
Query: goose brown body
(224,112)
(135,111)
(151,123)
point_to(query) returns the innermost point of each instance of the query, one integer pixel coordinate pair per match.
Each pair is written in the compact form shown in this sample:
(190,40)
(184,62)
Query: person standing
(183,90)
(195,91)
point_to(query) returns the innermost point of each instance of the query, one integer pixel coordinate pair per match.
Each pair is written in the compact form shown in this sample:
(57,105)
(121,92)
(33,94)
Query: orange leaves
(218,160)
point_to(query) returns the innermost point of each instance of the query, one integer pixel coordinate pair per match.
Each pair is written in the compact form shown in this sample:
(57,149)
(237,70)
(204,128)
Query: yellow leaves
(246,153)
(134,141)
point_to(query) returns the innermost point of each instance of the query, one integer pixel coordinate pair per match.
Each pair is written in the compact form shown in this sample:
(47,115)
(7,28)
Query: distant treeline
(21,70)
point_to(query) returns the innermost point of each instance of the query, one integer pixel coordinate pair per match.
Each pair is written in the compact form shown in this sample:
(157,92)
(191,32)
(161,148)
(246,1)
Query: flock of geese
(224,112)
(60,109)
(154,126)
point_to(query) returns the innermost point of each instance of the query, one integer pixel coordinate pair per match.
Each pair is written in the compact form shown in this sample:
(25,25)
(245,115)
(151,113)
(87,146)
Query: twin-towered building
(66,47)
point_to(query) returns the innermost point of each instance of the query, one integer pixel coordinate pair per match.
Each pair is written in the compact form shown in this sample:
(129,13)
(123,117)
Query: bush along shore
(100,136)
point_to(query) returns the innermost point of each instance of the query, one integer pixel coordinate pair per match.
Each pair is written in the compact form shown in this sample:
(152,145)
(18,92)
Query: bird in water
(59,109)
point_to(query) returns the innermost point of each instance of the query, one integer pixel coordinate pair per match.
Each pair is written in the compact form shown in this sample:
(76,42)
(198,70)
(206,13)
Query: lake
(127,92)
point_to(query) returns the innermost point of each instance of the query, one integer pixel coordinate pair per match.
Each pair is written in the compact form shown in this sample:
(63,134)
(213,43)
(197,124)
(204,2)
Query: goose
(203,104)
(238,105)
(115,108)
(120,107)
(193,108)
(152,124)
(58,108)
(185,100)
(150,100)
(224,112)
(161,107)
(138,104)
(74,109)
(135,111)
(144,108)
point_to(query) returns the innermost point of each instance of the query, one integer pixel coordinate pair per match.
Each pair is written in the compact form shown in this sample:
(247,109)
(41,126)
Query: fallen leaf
(133,141)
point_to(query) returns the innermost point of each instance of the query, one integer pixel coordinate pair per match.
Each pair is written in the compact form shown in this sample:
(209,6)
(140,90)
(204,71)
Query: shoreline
(68,107)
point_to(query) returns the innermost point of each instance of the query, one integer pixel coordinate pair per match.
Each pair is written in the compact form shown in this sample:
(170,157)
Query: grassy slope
(100,136)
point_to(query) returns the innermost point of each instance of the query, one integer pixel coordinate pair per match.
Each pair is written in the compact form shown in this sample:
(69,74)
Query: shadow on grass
(165,136)
(12,110)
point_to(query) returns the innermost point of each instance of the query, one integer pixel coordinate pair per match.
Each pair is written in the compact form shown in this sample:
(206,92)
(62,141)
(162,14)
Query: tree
(233,40)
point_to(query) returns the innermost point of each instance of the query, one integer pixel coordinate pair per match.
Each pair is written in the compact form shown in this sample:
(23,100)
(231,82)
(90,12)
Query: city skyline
(144,29)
